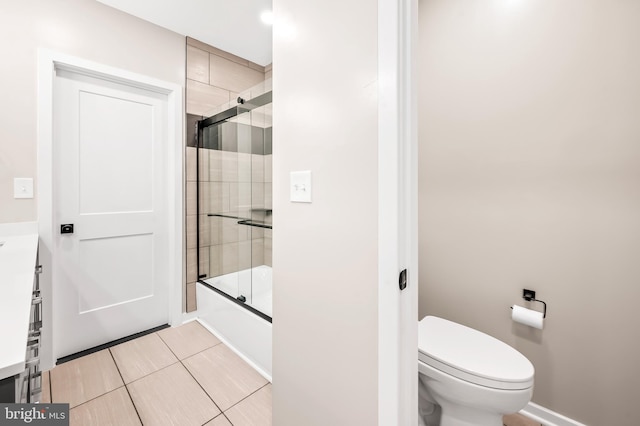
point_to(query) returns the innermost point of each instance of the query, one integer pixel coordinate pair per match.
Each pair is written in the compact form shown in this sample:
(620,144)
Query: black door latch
(67,228)
(402,282)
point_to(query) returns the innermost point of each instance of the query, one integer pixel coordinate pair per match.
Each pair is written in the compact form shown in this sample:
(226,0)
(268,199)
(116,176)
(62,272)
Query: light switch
(301,187)
(23,188)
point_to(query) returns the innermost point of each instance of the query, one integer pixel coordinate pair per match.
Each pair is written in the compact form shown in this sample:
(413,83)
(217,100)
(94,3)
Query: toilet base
(429,411)
(463,403)
(469,418)
(437,416)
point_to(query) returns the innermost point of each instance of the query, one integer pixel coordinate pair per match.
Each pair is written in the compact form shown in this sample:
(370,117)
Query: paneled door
(110,273)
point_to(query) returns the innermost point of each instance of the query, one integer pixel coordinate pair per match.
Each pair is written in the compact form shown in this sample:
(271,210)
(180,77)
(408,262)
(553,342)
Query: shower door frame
(244,107)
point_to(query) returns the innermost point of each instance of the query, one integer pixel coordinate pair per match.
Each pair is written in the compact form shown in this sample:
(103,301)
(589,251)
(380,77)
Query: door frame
(48,62)
(397,212)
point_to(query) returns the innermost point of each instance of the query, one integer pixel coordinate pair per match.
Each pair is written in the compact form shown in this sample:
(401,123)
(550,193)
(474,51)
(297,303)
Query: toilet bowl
(468,378)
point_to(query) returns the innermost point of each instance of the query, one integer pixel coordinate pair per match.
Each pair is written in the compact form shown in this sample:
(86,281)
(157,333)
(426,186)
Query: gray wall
(530,177)
(325,299)
(83,28)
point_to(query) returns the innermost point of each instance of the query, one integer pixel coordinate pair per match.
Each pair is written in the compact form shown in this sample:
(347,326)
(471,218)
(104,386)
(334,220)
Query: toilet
(468,378)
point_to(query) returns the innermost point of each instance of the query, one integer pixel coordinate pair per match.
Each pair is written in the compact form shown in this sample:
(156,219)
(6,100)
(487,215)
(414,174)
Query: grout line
(50,387)
(252,393)
(167,345)
(228,419)
(214,86)
(125,385)
(146,375)
(153,372)
(135,407)
(94,398)
(203,389)
(199,352)
(195,353)
(117,367)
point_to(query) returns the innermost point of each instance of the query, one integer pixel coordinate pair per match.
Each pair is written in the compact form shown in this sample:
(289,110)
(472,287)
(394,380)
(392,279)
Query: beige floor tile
(221,420)
(84,378)
(171,397)
(252,411)
(113,408)
(518,420)
(224,375)
(188,339)
(142,356)
(46,388)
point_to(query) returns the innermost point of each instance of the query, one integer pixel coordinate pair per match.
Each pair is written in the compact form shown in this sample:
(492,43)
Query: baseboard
(547,417)
(188,317)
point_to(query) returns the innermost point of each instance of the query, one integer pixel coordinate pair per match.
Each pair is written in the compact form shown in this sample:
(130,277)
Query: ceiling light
(267,17)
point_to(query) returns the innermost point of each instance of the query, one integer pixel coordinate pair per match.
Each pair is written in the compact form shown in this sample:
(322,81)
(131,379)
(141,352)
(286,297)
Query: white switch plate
(22,187)
(301,187)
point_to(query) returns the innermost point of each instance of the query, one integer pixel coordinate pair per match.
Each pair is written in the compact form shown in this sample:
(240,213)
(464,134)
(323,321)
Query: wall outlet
(23,188)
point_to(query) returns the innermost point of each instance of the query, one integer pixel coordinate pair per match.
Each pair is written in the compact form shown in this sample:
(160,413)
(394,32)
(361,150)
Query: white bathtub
(248,334)
(255,284)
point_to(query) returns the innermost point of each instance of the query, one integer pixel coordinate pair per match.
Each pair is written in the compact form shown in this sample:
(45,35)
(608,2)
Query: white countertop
(17,266)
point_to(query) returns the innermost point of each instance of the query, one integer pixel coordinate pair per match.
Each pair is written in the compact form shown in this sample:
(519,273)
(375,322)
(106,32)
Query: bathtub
(245,332)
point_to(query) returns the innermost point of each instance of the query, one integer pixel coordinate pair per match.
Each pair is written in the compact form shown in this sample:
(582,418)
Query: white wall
(530,178)
(325,253)
(82,28)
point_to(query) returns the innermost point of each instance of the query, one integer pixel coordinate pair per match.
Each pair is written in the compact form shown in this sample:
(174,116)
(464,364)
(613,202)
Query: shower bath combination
(234,226)
(234,202)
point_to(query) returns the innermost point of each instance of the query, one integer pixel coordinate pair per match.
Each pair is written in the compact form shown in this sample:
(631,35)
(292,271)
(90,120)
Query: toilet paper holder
(530,296)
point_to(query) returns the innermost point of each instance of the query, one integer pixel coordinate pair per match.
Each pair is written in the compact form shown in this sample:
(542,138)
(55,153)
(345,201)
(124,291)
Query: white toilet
(468,378)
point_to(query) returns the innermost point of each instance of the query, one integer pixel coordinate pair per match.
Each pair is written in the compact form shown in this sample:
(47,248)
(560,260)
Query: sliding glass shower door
(234,201)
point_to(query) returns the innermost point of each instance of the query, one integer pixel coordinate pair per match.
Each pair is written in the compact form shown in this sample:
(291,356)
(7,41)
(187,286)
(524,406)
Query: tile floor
(177,376)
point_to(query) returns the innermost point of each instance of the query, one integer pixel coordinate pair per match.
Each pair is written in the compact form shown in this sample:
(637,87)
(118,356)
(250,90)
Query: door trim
(48,62)
(397,212)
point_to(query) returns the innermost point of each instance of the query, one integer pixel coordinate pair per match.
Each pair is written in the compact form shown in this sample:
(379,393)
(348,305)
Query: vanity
(20,314)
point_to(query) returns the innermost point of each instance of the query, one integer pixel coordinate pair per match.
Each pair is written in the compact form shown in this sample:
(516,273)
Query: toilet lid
(471,355)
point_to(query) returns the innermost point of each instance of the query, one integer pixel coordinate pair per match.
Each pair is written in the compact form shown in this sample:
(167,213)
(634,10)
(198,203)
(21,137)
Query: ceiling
(231,25)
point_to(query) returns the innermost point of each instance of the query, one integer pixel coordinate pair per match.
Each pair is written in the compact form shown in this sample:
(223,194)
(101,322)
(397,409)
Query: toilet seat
(471,355)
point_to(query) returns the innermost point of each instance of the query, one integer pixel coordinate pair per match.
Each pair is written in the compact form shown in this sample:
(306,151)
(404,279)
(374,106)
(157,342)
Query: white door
(111,276)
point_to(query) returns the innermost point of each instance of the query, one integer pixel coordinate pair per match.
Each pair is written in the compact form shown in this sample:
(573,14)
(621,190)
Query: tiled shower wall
(214,77)
(234,182)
